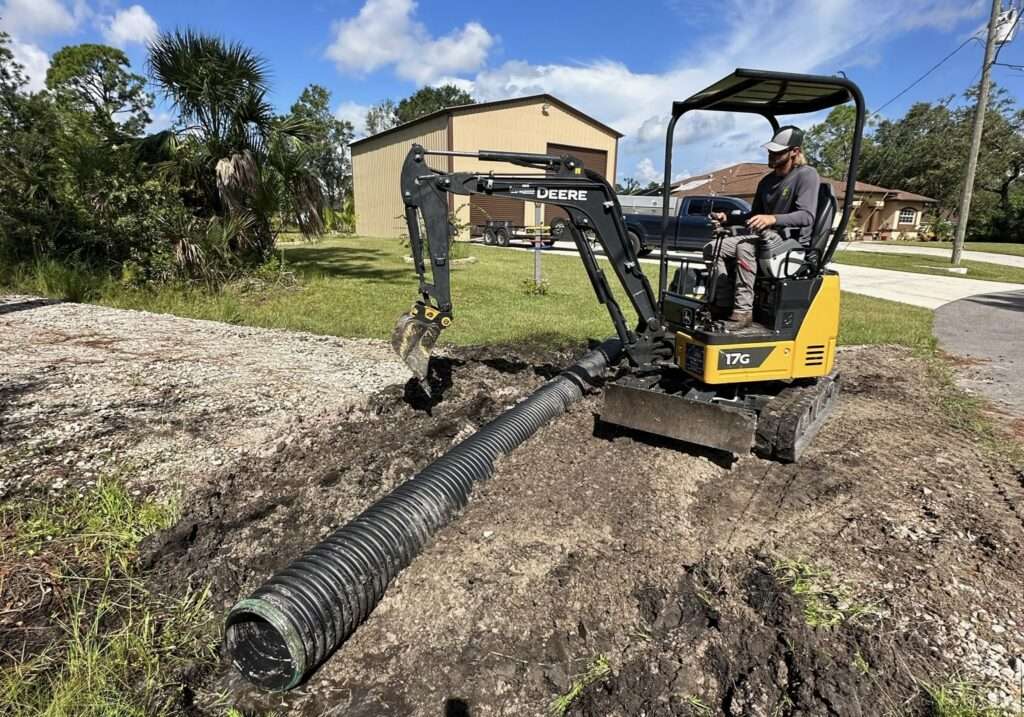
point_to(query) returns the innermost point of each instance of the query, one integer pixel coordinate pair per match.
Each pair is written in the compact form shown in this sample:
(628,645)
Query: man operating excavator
(786,198)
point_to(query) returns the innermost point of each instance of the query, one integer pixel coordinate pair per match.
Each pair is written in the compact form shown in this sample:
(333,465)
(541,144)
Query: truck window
(698,207)
(724,205)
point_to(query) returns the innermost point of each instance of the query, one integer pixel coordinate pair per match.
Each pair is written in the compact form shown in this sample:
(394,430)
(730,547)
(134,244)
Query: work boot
(739,320)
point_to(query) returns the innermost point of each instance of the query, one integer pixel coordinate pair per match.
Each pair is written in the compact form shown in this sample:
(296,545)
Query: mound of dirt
(732,639)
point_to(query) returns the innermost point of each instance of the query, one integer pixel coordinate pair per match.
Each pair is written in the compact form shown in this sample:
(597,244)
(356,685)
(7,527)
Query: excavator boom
(588,199)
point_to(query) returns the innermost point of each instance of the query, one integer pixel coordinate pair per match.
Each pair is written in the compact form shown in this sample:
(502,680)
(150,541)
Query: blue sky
(621,63)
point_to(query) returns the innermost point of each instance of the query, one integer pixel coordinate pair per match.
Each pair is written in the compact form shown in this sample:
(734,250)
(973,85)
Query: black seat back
(823,217)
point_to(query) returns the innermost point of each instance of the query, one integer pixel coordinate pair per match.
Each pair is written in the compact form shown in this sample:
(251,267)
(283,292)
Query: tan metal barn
(539,123)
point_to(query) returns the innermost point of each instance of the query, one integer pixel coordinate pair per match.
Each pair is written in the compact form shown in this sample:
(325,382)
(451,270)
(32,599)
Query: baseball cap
(786,138)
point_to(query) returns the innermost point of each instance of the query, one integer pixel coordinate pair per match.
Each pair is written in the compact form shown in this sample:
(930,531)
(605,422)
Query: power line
(933,68)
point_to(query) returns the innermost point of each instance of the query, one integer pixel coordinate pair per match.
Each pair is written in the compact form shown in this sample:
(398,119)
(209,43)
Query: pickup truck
(689,226)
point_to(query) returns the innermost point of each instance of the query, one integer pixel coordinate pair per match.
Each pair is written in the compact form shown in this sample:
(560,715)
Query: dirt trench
(594,544)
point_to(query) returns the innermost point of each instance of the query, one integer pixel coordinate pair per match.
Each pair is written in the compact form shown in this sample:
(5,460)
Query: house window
(907,215)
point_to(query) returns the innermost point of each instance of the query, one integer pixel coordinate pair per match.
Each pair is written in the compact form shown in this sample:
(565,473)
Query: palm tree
(241,165)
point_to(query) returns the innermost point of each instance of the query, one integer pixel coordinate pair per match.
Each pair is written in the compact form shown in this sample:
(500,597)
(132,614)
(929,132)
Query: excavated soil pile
(731,638)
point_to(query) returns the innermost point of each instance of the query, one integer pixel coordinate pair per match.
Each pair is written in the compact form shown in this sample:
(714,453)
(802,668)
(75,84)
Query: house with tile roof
(879,213)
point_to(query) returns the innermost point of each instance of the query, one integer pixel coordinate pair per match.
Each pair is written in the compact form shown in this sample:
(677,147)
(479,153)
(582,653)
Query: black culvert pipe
(289,626)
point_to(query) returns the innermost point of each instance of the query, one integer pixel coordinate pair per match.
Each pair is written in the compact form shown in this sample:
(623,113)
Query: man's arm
(805,201)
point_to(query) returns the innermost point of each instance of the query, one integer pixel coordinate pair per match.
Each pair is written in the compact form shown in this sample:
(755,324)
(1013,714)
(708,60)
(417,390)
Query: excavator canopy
(770,94)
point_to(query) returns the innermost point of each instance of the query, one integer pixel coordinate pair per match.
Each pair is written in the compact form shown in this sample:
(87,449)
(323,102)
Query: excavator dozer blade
(413,340)
(726,428)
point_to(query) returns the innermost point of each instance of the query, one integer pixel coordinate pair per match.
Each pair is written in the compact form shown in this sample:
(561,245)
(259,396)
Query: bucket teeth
(414,337)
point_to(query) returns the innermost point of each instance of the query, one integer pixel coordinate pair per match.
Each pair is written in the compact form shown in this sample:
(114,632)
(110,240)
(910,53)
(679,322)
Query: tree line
(203,199)
(925,152)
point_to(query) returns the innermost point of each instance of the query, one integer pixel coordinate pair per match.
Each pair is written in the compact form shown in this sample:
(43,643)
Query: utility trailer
(502,233)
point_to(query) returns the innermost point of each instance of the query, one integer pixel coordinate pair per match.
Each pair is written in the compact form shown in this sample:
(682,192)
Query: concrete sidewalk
(884,248)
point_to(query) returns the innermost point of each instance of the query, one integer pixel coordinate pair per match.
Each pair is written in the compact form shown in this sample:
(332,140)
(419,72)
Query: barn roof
(477,107)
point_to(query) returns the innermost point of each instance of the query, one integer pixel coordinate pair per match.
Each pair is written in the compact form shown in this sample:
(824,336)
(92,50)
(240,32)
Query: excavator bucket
(415,335)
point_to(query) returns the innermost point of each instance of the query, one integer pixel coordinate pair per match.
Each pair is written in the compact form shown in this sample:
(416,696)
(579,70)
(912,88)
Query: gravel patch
(87,391)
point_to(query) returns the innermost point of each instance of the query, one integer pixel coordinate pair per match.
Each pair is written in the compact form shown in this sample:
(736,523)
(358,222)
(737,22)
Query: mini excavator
(768,387)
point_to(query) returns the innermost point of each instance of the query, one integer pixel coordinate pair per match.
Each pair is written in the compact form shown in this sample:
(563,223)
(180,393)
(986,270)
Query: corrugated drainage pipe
(287,627)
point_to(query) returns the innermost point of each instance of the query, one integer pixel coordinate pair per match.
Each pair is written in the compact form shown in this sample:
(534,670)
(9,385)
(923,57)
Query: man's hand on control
(719,217)
(761,221)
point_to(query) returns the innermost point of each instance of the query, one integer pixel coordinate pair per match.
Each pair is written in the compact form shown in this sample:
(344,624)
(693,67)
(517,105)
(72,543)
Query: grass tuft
(698,707)
(826,601)
(117,650)
(960,699)
(67,281)
(860,664)
(598,670)
(968,413)
(102,525)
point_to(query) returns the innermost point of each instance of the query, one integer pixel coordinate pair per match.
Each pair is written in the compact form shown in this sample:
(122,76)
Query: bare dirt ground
(592,546)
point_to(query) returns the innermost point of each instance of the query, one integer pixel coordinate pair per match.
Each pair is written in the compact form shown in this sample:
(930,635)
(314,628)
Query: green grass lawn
(935,265)
(358,287)
(989,246)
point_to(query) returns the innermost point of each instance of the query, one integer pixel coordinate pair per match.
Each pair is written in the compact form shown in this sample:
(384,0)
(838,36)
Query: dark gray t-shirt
(793,199)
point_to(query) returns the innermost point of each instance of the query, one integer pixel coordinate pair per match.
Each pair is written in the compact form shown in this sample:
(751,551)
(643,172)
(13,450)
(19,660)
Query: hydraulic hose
(289,626)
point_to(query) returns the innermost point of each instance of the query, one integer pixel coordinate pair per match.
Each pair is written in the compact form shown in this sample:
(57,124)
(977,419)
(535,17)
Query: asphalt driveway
(988,330)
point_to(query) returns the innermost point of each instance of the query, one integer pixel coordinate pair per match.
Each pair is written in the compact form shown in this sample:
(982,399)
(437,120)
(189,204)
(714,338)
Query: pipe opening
(260,649)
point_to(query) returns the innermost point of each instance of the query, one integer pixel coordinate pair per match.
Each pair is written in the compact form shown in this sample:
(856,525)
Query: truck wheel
(638,248)
(502,237)
(489,238)
(559,228)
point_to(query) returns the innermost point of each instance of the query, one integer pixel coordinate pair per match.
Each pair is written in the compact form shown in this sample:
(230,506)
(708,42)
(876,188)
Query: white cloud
(795,36)
(460,82)
(37,18)
(132,25)
(645,172)
(35,61)
(354,113)
(26,20)
(385,34)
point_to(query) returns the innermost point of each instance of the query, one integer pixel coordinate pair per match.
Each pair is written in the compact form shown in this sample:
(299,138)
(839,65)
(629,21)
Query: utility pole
(979,124)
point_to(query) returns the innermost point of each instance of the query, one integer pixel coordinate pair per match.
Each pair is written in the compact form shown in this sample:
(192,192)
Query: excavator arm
(590,203)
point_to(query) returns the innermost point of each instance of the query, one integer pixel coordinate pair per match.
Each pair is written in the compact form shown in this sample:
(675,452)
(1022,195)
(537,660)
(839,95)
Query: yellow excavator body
(810,354)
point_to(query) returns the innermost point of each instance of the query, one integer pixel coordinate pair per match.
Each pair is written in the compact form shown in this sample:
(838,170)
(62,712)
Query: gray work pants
(742,252)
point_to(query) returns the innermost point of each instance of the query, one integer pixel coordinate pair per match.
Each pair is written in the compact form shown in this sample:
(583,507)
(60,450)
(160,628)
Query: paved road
(884,248)
(925,290)
(990,330)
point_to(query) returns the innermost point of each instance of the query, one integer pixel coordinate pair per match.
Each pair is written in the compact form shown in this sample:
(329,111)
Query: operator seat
(785,259)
